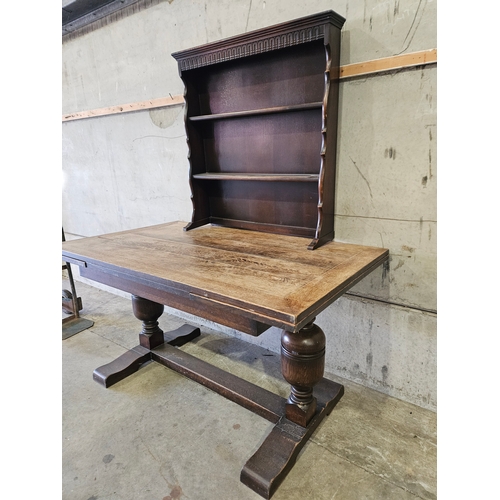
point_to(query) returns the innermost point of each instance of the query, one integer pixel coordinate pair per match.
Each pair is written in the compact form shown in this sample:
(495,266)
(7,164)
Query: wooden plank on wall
(389,63)
(348,71)
(126,108)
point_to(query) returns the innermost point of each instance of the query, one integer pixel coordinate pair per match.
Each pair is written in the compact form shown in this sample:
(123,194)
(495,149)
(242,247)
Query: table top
(270,278)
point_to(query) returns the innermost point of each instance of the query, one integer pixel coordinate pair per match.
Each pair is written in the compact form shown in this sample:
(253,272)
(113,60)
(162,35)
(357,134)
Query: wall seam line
(391,303)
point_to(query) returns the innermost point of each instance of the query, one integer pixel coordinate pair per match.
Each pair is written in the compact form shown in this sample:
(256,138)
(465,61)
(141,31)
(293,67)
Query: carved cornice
(306,29)
(251,48)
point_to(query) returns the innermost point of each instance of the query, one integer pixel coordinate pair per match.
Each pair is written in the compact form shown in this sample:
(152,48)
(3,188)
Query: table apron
(184,301)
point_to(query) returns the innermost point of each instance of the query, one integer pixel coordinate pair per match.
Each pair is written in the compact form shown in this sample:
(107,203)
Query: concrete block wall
(130,170)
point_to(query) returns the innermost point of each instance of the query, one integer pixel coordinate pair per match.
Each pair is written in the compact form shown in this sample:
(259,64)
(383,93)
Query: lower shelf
(303,232)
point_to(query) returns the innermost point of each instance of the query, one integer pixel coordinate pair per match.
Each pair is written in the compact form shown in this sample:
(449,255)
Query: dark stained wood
(270,464)
(262,227)
(302,366)
(178,299)
(134,359)
(251,112)
(196,156)
(181,335)
(261,401)
(233,176)
(262,40)
(286,204)
(123,366)
(148,312)
(284,143)
(261,104)
(326,202)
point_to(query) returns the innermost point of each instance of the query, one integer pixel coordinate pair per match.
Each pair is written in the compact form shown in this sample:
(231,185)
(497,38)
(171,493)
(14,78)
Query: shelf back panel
(289,76)
(278,203)
(280,143)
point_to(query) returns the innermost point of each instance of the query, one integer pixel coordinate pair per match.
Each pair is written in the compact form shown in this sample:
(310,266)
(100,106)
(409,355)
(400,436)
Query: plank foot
(181,336)
(123,366)
(271,463)
(131,361)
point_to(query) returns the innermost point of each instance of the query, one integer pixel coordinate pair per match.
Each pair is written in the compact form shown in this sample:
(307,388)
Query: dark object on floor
(72,304)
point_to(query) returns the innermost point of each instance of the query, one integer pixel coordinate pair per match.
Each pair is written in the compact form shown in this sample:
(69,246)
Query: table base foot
(133,360)
(271,463)
(122,367)
(267,468)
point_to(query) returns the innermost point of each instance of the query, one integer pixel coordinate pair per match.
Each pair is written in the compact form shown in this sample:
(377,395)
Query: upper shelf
(263,111)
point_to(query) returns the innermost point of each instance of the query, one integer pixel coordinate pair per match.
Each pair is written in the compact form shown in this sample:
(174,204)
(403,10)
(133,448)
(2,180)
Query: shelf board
(306,232)
(252,112)
(217,176)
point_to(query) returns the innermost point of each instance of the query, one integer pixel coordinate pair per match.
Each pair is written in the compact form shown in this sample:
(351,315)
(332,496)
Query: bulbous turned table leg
(302,366)
(148,312)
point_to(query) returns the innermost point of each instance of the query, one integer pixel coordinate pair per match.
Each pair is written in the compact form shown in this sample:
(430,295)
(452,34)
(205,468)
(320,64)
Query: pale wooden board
(161,102)
(389,63)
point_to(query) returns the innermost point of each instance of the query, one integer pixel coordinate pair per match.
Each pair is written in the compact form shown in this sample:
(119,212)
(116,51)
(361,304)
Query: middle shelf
(232,176)
(253,112)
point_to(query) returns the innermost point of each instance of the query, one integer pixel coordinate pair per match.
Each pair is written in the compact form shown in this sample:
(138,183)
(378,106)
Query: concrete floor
(159,436)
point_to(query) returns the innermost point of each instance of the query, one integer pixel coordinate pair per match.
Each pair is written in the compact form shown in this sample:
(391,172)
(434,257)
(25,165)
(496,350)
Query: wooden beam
(126,108)
(389,63)
(348,71)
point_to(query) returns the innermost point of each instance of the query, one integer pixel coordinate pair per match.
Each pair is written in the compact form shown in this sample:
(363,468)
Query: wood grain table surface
(268,278)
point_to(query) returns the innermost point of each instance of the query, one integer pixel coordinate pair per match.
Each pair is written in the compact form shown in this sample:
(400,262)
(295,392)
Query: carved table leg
(150,337)
(148,312)
(302,365)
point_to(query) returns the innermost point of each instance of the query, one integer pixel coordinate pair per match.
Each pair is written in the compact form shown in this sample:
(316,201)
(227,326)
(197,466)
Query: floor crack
(311,439)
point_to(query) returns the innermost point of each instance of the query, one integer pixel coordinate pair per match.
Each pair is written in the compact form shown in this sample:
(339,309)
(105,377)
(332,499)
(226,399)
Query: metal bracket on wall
(79,13)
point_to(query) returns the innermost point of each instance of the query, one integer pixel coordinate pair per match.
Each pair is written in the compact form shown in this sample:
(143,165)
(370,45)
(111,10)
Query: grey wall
(129,170)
